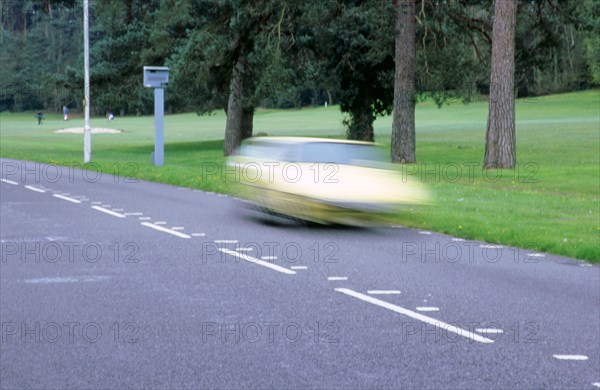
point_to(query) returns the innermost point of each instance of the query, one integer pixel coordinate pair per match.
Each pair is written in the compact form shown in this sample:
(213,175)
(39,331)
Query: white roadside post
(87,133)
(157,77)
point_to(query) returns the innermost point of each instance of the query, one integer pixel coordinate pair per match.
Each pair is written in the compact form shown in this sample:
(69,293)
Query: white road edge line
(383,292)
(32,188)
(109,212)
(66,198)
(254,260)
(14,183)
(334,278)
(571,357)
(164,229)
(416,316)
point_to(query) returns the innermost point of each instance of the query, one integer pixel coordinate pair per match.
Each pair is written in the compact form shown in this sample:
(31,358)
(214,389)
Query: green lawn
(550,203)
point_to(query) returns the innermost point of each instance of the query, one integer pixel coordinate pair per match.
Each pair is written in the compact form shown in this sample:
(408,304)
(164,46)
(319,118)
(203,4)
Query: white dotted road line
(424,232)
(14,183)
(487,246)
(414,315)
(177,228)
(226,241)
(134,214)
(254,260)
(109,212)
(458,239)
(299,267)
(337,278)
(536,255)
(198,234)
(160,222)
(165,230)
(66,198)
(144,218)
(269,258)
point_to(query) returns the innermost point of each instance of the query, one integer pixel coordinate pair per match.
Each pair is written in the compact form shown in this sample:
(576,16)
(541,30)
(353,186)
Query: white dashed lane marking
(487,246)
(256,261)
(144,218)
(489,330)
(109,212)
(299,267)
(134,214)
(536,255)
(427,308)
(14,183)
(270,258)
(414,315)
(165,230)
(383,292)
(32,188)
(571,357)
(198,234)
(226,241)
(59,196)
(424,232)
(337,278)
(160,222)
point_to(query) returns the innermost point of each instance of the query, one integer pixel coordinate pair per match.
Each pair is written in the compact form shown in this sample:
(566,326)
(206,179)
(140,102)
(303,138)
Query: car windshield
(316,152)
(341,153)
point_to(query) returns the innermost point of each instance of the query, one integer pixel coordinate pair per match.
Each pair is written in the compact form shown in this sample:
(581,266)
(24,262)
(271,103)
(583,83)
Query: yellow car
(321,180)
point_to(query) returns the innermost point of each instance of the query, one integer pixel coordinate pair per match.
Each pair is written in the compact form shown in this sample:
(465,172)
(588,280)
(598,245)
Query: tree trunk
(500,139)
(235,112)
(360,126)
(403,121)
(247,122)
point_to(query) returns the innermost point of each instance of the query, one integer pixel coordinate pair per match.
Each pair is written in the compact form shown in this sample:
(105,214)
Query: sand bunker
(95,130)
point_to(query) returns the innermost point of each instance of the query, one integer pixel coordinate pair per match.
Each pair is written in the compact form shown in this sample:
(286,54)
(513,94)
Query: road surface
(109,282)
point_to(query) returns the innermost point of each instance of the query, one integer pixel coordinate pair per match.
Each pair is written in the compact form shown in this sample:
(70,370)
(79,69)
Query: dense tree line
(368,56)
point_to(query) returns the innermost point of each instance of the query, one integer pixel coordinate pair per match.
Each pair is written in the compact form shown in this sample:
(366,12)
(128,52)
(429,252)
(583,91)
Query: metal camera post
(157,77)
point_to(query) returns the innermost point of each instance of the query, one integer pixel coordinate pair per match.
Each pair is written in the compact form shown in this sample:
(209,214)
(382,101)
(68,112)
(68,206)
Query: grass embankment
(549,203)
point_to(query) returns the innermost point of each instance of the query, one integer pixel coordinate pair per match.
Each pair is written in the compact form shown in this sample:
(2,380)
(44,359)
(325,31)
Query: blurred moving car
(325,181)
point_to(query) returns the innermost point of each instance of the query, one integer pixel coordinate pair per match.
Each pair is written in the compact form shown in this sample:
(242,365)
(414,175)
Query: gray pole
(159,126)
(87,133)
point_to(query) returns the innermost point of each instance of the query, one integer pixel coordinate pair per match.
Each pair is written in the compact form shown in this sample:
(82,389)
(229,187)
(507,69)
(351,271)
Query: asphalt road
(113,283)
